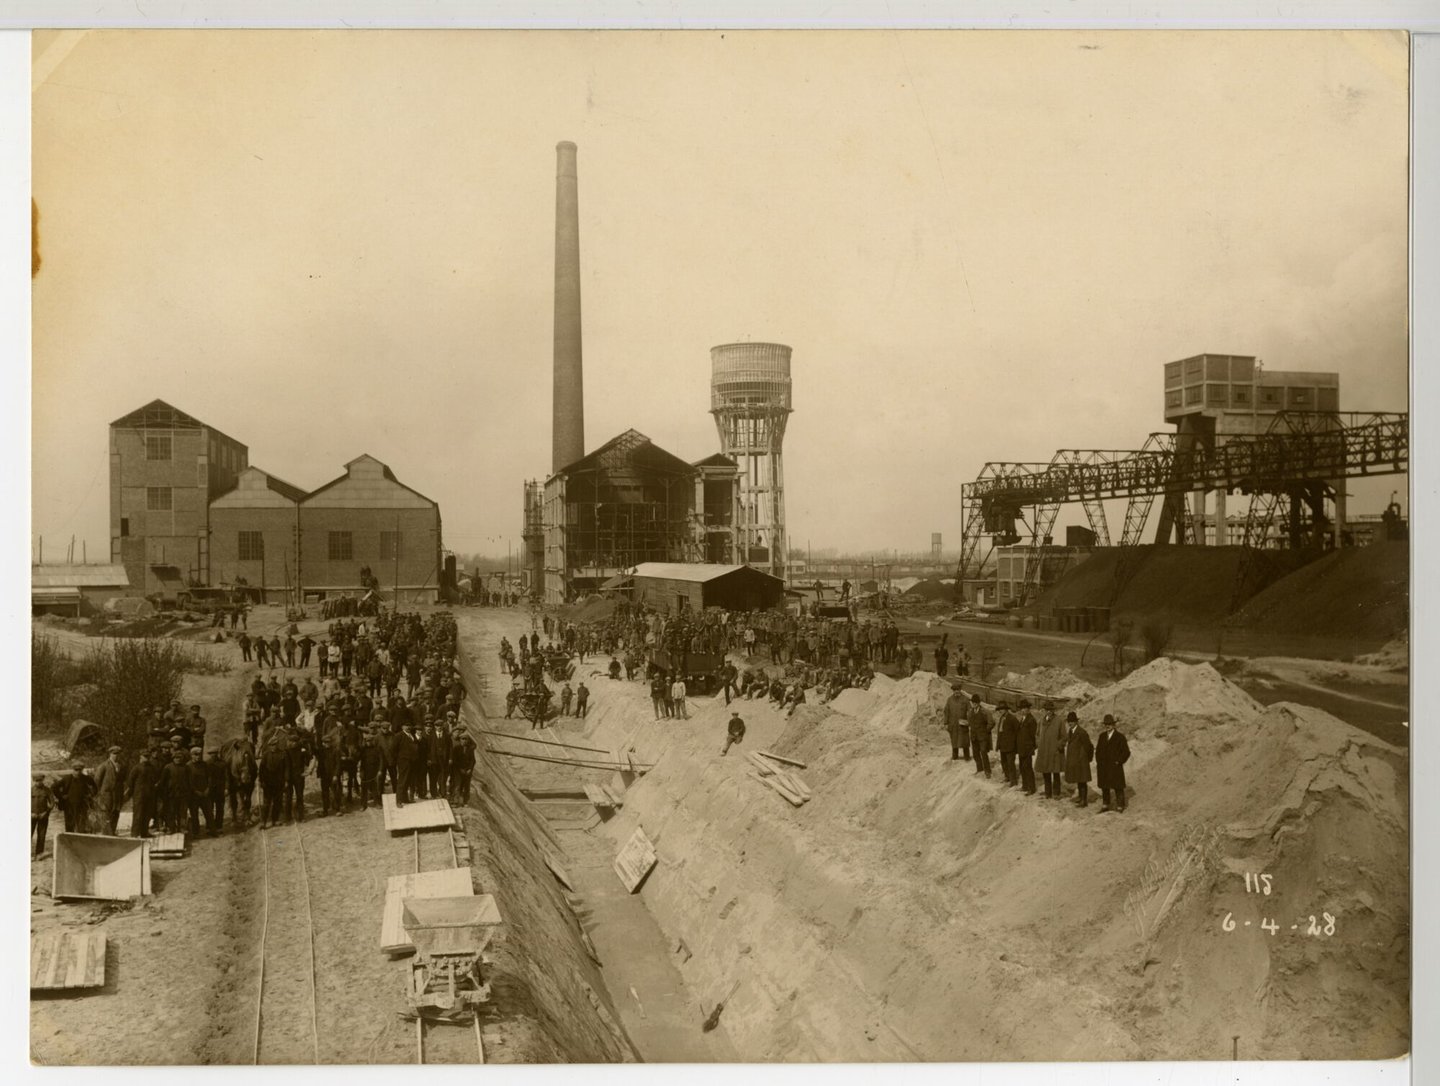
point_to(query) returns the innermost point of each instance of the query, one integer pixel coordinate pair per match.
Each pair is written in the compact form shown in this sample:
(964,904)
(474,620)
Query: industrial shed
(75,590)
(675,586)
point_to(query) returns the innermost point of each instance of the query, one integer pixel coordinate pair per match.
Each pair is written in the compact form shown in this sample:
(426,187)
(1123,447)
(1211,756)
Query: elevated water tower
(750,399)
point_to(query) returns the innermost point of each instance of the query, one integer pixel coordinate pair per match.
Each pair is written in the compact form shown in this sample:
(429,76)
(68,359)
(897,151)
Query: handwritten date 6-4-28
(1323,927)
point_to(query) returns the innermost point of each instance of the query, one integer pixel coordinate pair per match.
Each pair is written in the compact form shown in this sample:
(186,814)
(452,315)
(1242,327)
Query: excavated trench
(912,910)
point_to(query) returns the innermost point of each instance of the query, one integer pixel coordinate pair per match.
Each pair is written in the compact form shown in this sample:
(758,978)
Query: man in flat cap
(199,788)
(110,789)
(1112,751)
(140,790)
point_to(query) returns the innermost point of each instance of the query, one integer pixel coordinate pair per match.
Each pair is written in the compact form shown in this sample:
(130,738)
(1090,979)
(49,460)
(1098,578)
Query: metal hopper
(94,867)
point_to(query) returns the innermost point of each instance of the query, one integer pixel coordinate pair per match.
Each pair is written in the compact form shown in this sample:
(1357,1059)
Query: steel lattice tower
(750,399)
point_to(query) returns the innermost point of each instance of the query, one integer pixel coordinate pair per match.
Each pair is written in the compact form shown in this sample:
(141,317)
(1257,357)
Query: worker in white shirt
(677,697)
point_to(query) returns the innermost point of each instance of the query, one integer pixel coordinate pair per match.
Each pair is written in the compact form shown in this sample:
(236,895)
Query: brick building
(165,469)
(187,510)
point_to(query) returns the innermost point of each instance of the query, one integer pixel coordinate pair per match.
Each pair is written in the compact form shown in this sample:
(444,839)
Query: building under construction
(630,502)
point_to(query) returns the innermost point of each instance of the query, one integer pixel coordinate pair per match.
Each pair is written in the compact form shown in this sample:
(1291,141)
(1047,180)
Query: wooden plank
(773,782)
(783,760)
(635,859)
(167,845)
(67,959)
(616,797)
(446,882)
(598,796)
(559,872)
(423,814)
(765,768)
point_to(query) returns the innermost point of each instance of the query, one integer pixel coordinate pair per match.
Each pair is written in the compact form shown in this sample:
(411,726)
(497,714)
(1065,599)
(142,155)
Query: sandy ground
(183,966)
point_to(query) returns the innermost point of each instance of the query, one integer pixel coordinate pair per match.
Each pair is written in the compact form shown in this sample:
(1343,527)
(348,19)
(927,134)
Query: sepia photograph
(719,546)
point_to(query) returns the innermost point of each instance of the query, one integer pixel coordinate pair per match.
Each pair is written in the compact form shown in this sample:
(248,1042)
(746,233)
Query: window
(158,499)
(1270,396)
(342,547)
(157,447)
(1194,394)
(124,526)
(1240,394)
(252,546)
(389,546)
(1300,397)
(1215,395)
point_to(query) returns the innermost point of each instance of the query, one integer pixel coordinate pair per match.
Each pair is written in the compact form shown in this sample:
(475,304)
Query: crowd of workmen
(354,731)
(822,657)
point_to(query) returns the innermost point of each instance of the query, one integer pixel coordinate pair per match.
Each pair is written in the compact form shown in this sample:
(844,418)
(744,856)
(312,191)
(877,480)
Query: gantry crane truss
(1297,457)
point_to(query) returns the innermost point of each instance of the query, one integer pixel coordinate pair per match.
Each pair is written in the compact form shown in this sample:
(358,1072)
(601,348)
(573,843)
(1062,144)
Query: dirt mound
(913,707)
(1357,592)
(854,702)
(932,588)
(1050,682)
(1392,656)
(1165,696)
(1190,585)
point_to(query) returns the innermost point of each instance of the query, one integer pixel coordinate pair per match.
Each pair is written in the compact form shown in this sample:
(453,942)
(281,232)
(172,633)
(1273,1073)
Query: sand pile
(854,702)
(1166,695)
(915,706)
(1392,656)
(1356,592)
(1050,682)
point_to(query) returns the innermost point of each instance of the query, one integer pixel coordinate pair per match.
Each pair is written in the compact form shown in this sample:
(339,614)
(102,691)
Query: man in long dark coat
(1078,752)
(1112,751)
(956,725)
(1025,748)
(1008,742)
(980,728)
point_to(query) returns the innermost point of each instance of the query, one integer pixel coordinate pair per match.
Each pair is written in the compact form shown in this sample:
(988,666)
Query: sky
(981,246)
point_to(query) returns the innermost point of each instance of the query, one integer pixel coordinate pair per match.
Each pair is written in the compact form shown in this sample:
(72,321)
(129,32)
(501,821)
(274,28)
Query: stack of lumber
(774,771)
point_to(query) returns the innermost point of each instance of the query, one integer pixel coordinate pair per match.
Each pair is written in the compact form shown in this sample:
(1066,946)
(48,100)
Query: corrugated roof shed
(62,576)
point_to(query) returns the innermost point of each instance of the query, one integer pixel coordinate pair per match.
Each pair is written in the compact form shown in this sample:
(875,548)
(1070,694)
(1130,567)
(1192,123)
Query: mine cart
(450,934)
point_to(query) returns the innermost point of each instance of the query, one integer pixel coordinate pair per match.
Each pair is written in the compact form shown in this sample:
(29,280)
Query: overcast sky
(981,246)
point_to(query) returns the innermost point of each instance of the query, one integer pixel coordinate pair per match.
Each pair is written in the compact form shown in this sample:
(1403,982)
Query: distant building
(1014,563)
(75,590)
(1215,398)
(629,502)
(676,587)
(165,469)
(189,511)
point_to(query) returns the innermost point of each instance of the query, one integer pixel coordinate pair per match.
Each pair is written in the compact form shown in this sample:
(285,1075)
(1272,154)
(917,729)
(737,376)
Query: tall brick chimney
(568,433)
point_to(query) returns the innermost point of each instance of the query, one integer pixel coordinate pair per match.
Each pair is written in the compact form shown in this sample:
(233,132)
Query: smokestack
(568,434)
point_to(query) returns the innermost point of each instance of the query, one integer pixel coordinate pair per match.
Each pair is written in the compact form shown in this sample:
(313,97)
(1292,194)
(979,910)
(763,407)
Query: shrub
(1120,633)
(1155,635)
(132,676)
(48,667)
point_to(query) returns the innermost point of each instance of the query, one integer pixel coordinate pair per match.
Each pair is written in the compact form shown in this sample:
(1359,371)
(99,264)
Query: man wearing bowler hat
(1112,751)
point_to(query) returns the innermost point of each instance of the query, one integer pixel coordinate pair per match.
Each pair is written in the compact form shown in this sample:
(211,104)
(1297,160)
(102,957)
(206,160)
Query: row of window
(340,546)
(162,447)
(1271,396)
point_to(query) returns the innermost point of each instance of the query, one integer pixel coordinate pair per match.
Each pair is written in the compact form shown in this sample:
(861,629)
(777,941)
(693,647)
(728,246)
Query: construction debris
(635,860)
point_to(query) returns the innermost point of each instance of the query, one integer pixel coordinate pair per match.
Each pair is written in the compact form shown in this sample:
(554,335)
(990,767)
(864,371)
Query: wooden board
(166,846)
(635,860)
(559,872)
(447,882)
(598,796)
(784,760)
(67,959)
(423,814)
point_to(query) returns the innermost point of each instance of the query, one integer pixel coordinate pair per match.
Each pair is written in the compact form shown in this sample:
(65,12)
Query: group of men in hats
(1060,751)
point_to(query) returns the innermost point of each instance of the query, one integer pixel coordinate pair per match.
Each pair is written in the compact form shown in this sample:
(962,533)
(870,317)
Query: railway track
(438,1042)
(286,1029)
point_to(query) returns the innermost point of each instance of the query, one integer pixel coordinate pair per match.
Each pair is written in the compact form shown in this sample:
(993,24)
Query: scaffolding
(626,503)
